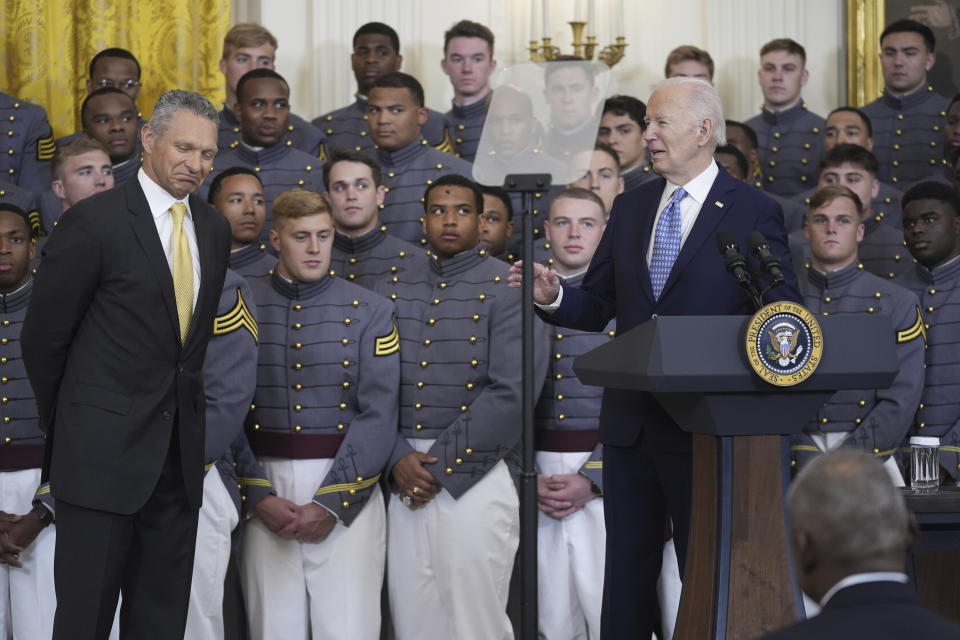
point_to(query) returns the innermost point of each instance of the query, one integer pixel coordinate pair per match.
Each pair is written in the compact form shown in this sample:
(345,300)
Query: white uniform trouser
(450,561)
(828,441)
(218,517)
(28,599)
(27,596)
(324,591)
(570,558)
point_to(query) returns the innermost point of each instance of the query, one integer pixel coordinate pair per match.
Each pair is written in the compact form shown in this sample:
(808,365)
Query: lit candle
(591,18)
(620,17)
(546,18)
(577,10)
(533,19)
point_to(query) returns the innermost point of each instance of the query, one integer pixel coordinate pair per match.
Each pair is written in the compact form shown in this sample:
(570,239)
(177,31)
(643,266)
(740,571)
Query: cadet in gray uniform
(931,227)
(790,137)
(248,46)
(849,125)
(396,112)
(376,51)
(112,68)
(230,377)
(109,116)
(454,519)
(323,423)
(621,127)
(881,251)
(571,533)
(736,164)
(28,144)
(237,193)
(263,106)
(468,61)
(875,420)
(363,252)
(81,168)
(497,223)
(907,119)
(26,548)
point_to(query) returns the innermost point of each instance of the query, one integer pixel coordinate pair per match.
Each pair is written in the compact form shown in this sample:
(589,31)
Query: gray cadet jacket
(347,128)
(908,135)
(938,414)
(368,259)
(790,143)
(253,260)
(28,144)
(460,382)
(230,377)
(878,419)
(465,125)
(23,442)
(568,413)
(328,378)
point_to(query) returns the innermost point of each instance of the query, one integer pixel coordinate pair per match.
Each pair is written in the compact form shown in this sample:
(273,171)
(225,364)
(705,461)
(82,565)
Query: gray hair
(848,498)
(704,104)
(178,100)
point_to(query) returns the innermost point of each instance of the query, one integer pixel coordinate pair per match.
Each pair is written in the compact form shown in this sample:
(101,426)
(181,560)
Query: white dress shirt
(697,191)
(861,578)
(160,202)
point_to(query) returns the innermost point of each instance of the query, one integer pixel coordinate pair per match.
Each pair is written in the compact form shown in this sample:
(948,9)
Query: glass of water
(924,464)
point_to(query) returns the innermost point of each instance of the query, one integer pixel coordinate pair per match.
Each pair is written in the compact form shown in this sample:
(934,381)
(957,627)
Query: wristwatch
(45,515)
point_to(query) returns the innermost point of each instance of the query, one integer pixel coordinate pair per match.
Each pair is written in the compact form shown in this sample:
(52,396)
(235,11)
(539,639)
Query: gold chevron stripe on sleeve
(804,447)
(43,490)
(446,144)
(917,330)
(389,343)
(239,317)
(347,486)
(593,464)
(46,147)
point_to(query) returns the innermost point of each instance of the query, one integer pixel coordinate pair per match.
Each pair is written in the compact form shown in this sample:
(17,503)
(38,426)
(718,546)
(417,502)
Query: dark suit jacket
(874,610)
(617,284)
(102,350)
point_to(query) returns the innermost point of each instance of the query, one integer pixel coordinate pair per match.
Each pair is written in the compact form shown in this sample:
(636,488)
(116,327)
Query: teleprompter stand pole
(527,185)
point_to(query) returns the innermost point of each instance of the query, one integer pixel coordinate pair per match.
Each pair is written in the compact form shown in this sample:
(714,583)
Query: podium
(738,581)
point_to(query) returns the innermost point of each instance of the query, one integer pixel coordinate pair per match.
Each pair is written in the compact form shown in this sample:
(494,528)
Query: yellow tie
(182,270)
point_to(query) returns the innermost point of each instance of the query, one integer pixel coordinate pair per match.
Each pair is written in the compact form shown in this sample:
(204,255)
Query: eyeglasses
(126,84)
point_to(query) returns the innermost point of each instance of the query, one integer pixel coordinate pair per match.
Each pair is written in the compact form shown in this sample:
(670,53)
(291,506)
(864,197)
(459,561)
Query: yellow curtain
(48,44)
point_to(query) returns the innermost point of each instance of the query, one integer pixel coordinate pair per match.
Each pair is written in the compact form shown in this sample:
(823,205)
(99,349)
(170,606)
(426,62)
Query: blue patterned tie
(666,243)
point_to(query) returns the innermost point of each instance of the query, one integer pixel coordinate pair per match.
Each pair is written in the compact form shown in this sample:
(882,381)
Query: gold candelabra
(610,55)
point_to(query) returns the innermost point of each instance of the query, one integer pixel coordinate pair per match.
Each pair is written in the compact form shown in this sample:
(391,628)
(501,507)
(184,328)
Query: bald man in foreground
(851,533)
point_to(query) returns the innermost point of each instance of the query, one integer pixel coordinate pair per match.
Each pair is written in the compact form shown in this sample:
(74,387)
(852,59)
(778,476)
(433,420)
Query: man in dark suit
(851,532)
(113,344)
(658,257)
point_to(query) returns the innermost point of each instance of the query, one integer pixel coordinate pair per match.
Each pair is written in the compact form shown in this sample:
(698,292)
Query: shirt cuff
(553,306)
(332,512)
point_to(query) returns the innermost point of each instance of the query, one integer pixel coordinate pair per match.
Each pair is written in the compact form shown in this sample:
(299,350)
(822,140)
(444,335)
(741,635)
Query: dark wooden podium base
(738,581)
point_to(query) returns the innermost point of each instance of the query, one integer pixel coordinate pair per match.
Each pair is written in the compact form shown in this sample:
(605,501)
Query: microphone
(760,248)
(735,262)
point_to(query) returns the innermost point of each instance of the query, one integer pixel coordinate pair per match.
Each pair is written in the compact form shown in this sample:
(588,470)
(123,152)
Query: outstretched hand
(546,282)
